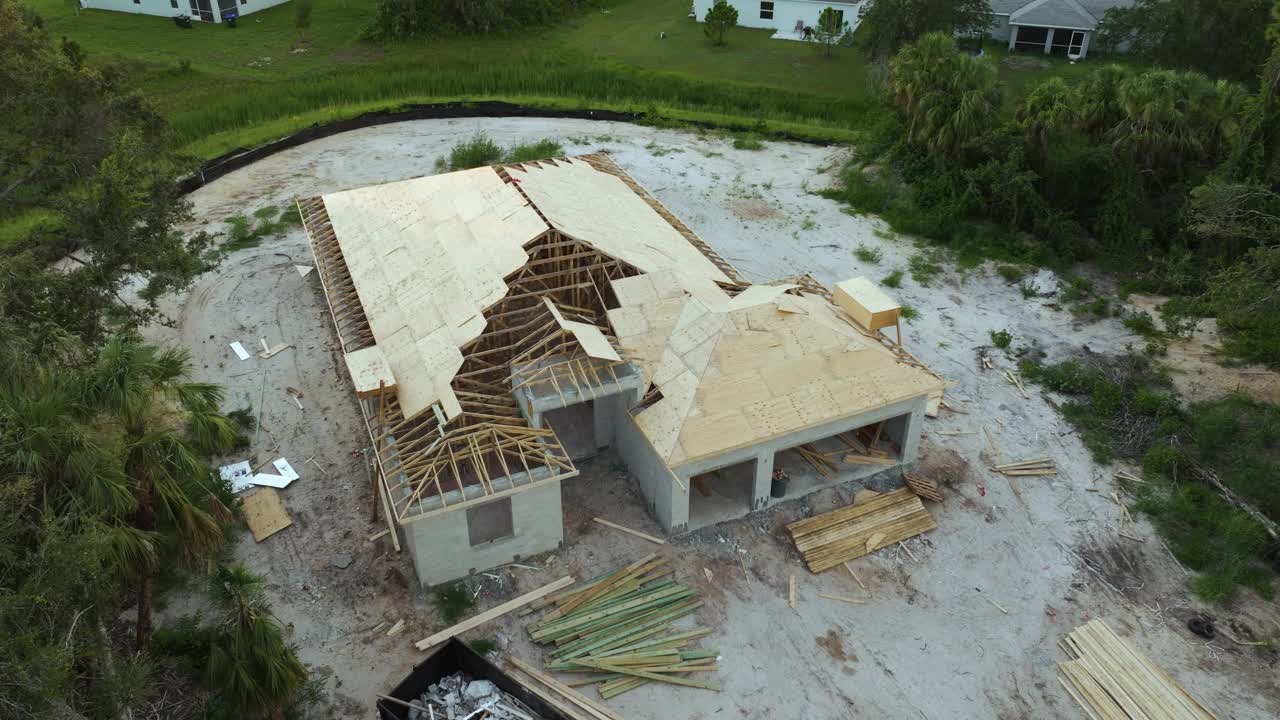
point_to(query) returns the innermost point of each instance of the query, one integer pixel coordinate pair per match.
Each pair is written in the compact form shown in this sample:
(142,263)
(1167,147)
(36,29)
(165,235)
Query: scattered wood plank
(492,613)
(592,708)
(855,577)
(395,629)
(791,592)
(843,599)
(379,534)
(924,487)
(265,514)
(1110,678)
(629,531)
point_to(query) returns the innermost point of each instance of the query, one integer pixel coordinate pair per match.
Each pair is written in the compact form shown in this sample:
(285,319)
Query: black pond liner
(447,659)
(241,157)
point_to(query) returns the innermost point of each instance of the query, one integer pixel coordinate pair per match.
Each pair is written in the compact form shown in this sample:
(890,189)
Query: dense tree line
(105,482)
(406,19)
(1166,173)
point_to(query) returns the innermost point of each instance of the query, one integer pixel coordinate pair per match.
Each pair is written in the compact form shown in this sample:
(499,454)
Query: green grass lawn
(224,88)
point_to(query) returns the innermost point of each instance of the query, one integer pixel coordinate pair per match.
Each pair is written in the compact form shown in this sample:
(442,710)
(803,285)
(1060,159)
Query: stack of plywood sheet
(617,631)
(1113,681)
(829,539)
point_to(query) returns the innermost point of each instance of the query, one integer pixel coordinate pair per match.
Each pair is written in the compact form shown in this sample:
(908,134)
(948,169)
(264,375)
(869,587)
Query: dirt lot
(930,641)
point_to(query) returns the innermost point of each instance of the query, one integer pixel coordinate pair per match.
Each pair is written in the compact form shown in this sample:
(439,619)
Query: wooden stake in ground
(856,579)
(492,613)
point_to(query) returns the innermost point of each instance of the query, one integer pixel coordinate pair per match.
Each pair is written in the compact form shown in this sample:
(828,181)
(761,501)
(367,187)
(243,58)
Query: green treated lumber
(669,658)
(573,623)
(646,634)
(593,679)
(615,622)
(650,675)
(616,616)
(663,618)
(698,653)
(613,628)
(624,590)
(621,593)
(586,595)
(613,688)
(684,636)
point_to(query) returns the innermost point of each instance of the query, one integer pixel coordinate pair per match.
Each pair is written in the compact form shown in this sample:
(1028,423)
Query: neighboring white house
(788,17)
(204,10)
(1050,26)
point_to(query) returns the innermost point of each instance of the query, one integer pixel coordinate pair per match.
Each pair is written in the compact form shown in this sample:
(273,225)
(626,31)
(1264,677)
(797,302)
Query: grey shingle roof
(1056,13)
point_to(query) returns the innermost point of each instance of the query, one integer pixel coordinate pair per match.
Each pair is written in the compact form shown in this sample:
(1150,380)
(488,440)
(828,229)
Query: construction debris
(629,531)
(1035,466)
(240,351)
(264,513)
(458,696)
(829,539)
(1015,380)
(1112,680)
(924,487)
(492,613)
(617,631)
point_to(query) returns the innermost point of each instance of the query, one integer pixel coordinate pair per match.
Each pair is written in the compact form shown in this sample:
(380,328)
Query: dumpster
(440,668)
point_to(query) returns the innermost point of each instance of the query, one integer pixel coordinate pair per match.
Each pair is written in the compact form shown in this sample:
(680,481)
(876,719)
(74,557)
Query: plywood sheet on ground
(265,514)
(427,256)
(763,365)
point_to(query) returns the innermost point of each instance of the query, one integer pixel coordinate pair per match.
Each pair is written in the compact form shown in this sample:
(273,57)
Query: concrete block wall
(668,504)
(441,546)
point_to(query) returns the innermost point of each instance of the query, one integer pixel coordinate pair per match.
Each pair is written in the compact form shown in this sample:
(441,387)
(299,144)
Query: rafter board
(427,256)
(573,197)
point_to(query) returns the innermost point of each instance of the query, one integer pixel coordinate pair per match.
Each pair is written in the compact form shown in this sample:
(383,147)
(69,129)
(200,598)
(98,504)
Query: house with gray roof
(1050,26)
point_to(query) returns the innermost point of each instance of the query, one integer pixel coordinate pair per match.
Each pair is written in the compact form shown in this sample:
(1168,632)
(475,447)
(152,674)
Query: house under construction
(499,323)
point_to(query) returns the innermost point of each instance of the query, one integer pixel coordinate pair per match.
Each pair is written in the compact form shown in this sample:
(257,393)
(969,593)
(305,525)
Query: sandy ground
(930,641)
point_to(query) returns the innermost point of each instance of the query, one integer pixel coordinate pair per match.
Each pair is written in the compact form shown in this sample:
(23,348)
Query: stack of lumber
(924,487)
(829,539)
(1035,466)
(865,446)
(617,631)
(1112,680)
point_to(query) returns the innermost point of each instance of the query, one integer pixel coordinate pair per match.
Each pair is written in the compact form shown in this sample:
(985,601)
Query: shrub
(541,150)
(479,151)
(893,279)
(1011,273)
(747,142)
(453,600)
(868,254)
(924,267)
(909,313)
(1001,339)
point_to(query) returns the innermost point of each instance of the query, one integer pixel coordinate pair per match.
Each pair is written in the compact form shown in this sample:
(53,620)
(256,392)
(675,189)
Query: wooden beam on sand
(492,613)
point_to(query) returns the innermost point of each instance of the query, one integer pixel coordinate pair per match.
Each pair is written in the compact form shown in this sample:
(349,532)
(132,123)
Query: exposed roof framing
(549,330)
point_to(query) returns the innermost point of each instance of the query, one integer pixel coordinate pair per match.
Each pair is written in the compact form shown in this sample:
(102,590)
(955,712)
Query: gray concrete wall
(671,507)
(441,548)
(668,504)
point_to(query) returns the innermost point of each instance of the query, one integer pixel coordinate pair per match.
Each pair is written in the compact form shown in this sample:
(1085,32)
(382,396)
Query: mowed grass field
(226,88)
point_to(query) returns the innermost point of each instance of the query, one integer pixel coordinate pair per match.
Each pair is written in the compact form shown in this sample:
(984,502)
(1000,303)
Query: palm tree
(250,662)
(950,99)
(1048,110)
(1099,97)
(158,420)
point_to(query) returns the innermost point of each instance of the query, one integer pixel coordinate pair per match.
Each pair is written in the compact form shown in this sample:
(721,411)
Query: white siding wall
(785,12)
(164,8)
